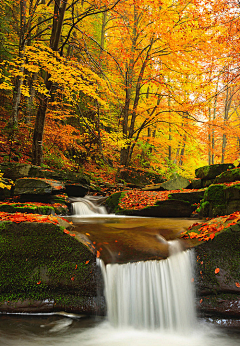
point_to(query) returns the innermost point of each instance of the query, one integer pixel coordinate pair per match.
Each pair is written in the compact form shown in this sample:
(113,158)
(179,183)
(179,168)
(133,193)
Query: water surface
(18,330)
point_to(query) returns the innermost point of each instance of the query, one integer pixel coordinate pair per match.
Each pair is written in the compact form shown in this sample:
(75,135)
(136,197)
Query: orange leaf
(87,233)
(237,284)
(217,270)
(87,262)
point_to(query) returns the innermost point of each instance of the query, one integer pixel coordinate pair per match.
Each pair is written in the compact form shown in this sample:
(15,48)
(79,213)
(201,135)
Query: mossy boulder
(167,208)
(15,170)
(112,202)
(218,273)
(44,261)
(212,171)
(230,175)
(34,208)
(36,186)
(217,269)
(213,202)
(192,197)
(139,177)
(220,199)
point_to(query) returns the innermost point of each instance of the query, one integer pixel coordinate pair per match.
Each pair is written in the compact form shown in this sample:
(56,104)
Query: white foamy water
(85,206)
(152,294)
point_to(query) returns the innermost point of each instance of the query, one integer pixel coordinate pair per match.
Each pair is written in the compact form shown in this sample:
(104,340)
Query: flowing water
(149,303)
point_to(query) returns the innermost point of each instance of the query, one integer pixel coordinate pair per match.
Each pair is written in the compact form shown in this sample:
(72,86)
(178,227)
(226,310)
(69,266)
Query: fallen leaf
(217,270)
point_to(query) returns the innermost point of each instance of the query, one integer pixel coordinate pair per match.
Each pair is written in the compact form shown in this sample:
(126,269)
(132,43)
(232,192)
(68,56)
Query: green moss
(113,201)
(39,259)
(222,252)
(214,193)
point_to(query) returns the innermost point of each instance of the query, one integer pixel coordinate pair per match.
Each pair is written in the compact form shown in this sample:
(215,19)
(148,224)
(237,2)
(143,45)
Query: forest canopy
(120,83)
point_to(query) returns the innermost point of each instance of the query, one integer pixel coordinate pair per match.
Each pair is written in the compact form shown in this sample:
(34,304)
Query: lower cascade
(152,294)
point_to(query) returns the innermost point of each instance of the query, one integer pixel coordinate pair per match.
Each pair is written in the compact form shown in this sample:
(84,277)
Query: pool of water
(51,330)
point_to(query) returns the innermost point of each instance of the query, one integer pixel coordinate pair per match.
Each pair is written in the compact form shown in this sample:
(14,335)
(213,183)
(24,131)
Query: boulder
(192,197)
(139,177)
(14,170)
(212,171)
(230,175)
(220,199)
(176,183)
(46,262)
(36,186)
(196,184)
(218,273)
(168,208)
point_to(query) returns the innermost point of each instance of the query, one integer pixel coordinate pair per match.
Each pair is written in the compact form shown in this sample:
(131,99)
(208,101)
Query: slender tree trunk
(19,79)
(37,150)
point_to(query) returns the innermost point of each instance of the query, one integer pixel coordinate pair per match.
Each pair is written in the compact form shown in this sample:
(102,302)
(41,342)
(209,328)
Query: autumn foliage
(110,84)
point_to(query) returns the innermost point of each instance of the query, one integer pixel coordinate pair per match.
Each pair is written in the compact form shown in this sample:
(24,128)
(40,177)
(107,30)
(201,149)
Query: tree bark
(37,149)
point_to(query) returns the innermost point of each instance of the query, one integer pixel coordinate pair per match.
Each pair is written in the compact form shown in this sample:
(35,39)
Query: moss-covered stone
(167,208)
(191,197)
(223,252)
(228,176)
(112,202)
(139,177)
(27,208)
(15,170)
(39,260)
(210,172)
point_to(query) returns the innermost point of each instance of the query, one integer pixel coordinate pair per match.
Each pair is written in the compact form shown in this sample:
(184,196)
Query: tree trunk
(19,80)
(37,151)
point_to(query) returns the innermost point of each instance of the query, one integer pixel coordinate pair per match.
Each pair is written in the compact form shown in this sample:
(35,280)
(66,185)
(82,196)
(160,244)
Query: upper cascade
(89,205)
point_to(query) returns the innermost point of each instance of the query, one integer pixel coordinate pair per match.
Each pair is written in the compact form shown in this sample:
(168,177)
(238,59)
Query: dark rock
(47,265)
(76,190)
(191,197)
(35,186)
(15,171)
(210,172)
(207,182)
(168,208)
(196,184)
(139,177)
(228,176)
(219,291)
(176,183)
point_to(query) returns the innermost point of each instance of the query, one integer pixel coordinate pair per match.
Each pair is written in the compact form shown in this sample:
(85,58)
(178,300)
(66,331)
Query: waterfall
(89,205)
(152,294)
